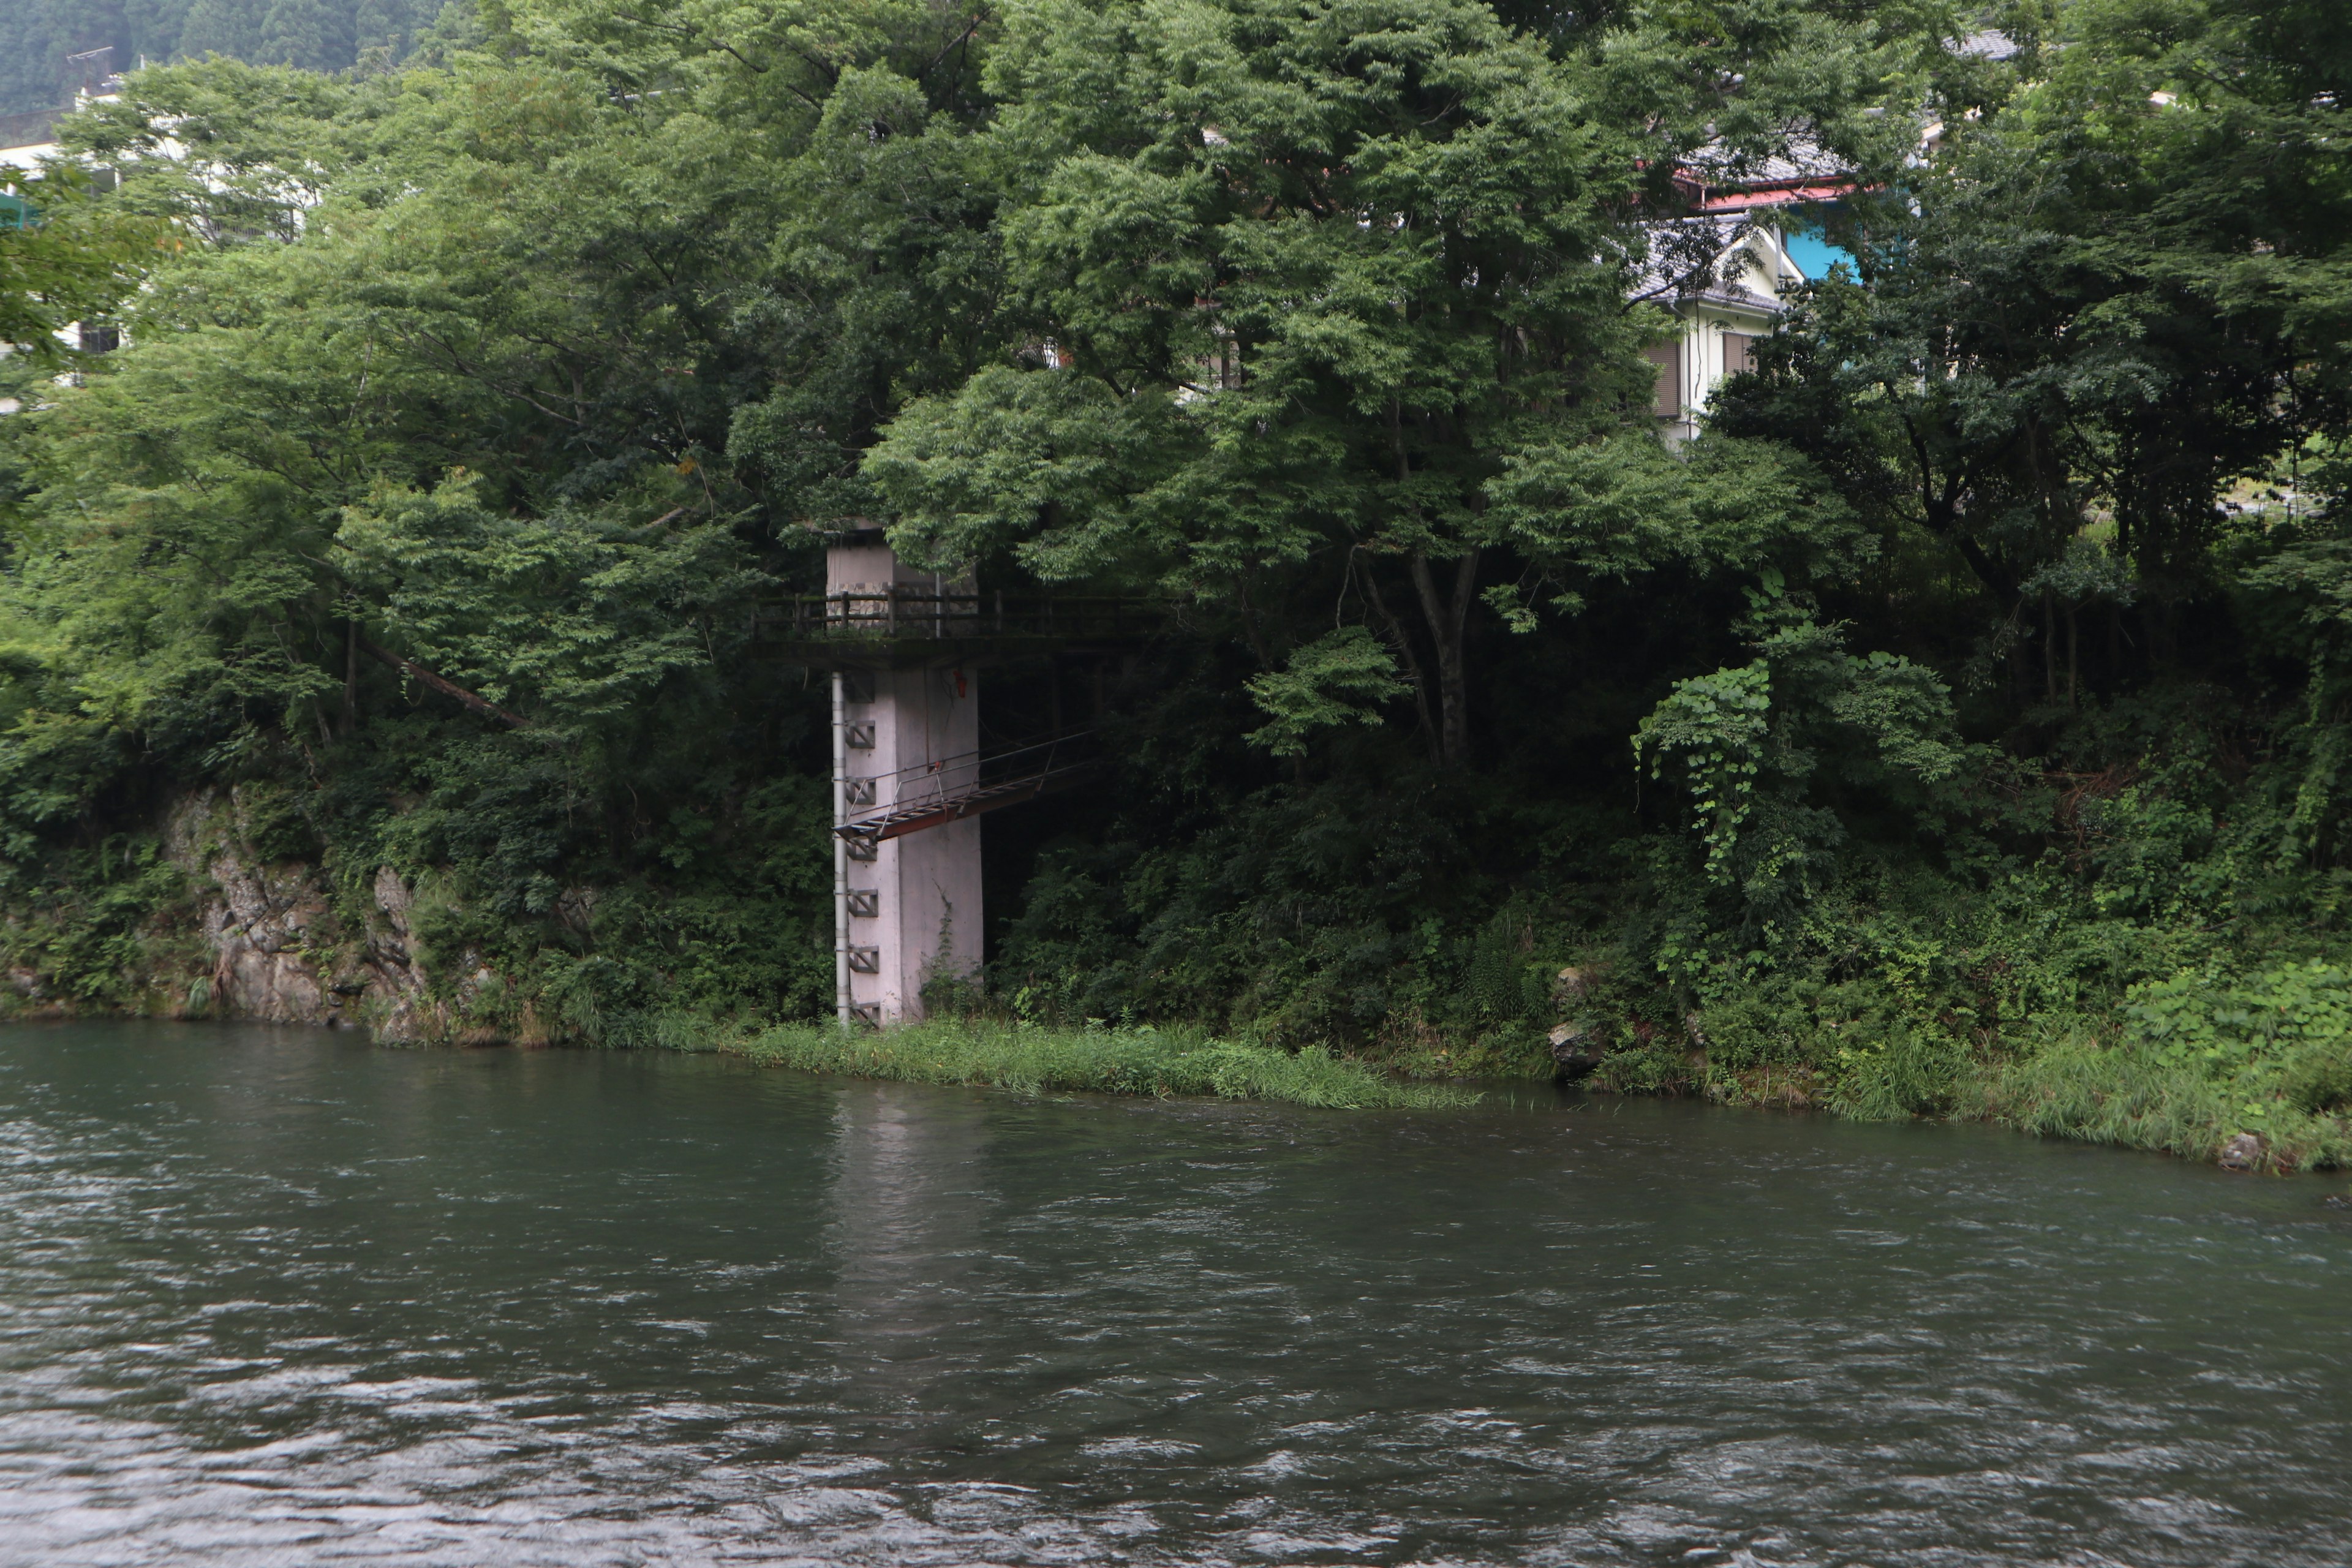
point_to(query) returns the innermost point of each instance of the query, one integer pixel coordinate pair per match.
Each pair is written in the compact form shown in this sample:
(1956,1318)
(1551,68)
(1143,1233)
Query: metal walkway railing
(890,615)
(933,793)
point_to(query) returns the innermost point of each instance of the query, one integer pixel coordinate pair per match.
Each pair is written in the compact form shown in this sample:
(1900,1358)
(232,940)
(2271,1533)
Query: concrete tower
(906,737)
(904,649)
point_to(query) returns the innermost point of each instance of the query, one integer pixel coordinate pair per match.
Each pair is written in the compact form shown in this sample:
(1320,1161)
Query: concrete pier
(907,908)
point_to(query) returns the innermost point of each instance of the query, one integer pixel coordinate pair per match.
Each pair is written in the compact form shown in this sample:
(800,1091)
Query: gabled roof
(1684,253)
(1715,178)
(1744,272)
(1726,191)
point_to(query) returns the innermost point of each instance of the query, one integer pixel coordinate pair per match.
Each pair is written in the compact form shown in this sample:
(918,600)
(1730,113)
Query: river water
(277,1296)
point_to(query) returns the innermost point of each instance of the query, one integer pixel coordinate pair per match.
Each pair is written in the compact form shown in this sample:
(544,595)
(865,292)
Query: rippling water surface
(276,1297)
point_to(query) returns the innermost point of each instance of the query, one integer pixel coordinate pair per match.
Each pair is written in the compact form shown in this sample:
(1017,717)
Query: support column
(841,991)
(909,910)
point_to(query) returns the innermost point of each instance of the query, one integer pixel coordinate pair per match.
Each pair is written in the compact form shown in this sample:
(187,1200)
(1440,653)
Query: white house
(1725,273)
(27,142)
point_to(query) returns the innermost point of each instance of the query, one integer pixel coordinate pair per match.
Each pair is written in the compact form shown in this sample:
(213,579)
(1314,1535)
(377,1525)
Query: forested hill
(1961,722)
(37,35)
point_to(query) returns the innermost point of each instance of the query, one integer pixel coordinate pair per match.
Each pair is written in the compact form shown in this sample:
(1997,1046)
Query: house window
(1667,403)
(1738,353)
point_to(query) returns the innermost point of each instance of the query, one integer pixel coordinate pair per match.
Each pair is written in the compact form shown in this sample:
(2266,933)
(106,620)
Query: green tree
(2116,291)
(1299,287)
(304,33)
(433,424)
(230,27)
(63,258)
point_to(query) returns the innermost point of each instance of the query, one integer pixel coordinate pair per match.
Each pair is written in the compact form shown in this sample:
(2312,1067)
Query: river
(273,1296)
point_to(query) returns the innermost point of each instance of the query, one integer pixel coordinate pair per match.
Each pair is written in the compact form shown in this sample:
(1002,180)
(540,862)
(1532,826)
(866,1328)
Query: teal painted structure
(1814,256)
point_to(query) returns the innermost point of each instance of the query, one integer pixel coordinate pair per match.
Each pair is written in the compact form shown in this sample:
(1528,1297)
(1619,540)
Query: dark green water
(276,1297)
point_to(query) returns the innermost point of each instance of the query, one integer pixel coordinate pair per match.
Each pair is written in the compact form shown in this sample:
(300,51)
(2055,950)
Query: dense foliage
(1960,723)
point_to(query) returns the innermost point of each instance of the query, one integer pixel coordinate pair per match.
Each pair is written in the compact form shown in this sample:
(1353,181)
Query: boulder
(1573,1049)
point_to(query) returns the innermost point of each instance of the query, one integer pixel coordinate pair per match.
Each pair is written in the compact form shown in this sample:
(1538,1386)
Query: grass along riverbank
(1153,1061)
(2087,1091)
(2075,1088)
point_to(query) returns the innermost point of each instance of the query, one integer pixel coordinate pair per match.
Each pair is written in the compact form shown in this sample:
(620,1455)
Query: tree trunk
(2049,652)
(448,688)
(1250,632)
(1393,630)
(2157,624)
(1447,616)
(2073,664)
(350,676)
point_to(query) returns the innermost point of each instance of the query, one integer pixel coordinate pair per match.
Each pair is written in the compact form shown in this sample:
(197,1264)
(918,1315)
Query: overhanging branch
(447,687)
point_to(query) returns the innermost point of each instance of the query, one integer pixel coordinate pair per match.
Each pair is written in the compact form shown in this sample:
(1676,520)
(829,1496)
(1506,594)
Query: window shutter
(1667,403)
(1738,353)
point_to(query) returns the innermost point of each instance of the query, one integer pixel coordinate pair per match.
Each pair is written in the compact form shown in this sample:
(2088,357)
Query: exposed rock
(398,1008)
(264,925)
(281,953)
(392,901)
(278,945)
(1573,1049)
(2242,1152)
(576,907)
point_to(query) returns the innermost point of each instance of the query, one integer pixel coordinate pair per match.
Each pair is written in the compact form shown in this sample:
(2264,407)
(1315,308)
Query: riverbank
(2128,1097)
(2246,1066)
(2077,1087)
(1144,1061)
(2077,1090)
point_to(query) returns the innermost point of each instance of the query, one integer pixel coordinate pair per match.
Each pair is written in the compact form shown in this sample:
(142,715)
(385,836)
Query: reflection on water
(276,1297)
(908,1196)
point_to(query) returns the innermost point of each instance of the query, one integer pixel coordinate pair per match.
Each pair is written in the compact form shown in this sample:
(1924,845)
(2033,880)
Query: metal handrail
(891,613)
(972,773)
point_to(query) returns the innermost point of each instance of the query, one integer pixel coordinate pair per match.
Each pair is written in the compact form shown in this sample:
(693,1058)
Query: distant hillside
(36,36)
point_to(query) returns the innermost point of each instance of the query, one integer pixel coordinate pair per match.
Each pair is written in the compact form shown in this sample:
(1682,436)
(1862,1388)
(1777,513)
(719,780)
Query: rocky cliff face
(281,952)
